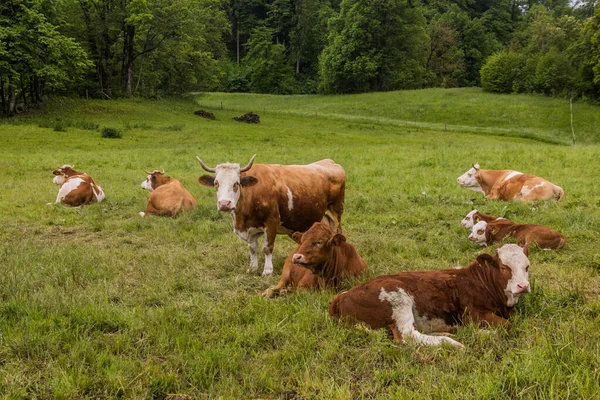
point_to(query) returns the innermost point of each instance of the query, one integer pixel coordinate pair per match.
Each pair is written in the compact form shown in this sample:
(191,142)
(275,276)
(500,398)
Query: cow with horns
(273,199)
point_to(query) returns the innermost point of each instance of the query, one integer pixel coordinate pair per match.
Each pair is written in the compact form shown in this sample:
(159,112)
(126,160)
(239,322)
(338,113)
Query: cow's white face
(468,222)
(477,235)
(227,184)
(59,179)
(468,180)
(514,257)
(147,184)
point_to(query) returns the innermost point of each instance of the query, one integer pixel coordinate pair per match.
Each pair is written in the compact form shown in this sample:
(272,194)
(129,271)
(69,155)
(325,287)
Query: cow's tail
(334,307)
(559,193)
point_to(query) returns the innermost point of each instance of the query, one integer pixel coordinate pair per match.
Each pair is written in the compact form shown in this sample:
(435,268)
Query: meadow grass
(99,303)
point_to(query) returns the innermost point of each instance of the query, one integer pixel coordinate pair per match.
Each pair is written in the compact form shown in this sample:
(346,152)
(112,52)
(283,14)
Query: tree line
(123,48)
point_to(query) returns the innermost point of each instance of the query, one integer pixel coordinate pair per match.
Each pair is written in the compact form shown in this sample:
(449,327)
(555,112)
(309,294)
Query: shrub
(111,133)
(501,71)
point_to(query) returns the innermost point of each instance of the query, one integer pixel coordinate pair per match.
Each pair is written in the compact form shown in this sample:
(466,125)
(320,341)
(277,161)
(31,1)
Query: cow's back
(172,197)
(302,194)
(77,190)
(528,188)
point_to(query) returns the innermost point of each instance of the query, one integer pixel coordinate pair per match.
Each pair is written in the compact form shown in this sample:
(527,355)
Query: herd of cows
(307,202)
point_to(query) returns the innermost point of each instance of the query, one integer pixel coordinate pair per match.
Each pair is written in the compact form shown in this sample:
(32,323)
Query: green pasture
(99,303)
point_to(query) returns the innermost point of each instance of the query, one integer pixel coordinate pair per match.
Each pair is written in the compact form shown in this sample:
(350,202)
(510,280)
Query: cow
(484,233)
(168,196)
(509,185)
(76,188)
(484,293)
(273,199)
(475,216)
(322,259)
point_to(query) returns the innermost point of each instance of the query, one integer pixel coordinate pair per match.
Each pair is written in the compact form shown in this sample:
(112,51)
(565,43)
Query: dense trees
(108,48)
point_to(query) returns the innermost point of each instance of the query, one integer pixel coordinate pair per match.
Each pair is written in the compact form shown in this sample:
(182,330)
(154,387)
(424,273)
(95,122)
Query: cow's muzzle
(225,205)
(523,287)
(299,259)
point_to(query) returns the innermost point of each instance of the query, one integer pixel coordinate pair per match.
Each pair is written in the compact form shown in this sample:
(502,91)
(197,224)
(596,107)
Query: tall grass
(99,303)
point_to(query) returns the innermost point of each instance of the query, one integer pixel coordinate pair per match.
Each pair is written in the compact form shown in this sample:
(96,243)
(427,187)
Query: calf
(485,293)
(509,185)
(474,217)
(76,188)
(322,259)
(485,233)
(168,197)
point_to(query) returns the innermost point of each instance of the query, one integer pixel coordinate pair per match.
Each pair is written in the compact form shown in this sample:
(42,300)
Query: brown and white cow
(509,185)
(168,197)
(485,293)
(322,259)
(475,216)
(274,199)
(76,188)
(484,233)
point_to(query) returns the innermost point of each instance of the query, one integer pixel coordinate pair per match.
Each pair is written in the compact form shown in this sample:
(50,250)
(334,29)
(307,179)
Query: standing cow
(509,185)
(274,199)
(437,301)
(168,197)
(76,188)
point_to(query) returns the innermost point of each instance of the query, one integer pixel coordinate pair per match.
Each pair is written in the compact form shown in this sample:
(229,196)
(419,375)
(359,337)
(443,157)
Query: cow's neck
(331,270)
(489,280)
(487,178)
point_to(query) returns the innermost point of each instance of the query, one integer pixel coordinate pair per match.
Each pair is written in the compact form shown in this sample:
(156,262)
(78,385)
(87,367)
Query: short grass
(99,303)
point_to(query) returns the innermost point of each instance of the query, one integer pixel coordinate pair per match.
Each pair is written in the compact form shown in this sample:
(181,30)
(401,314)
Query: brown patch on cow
(169,197)
(525,234)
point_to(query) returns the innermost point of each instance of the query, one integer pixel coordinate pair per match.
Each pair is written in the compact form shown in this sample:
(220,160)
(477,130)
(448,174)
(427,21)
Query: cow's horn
(163,171)
(204,165)
(147,173)
(247,167)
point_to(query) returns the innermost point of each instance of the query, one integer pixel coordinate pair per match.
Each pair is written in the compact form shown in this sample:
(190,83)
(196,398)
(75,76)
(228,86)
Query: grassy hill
(99,303)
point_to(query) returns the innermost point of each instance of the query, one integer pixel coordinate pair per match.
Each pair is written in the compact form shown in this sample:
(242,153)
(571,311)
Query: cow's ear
(246,181)
(297,237)
(337,239)
(207,180)
(476,166)
(476,218)
(526,250)
(485,260)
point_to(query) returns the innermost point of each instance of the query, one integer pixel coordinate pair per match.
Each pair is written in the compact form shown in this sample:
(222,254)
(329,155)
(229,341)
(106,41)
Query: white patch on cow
(99,193)
(525,191)
(477,235)
(67,187)
(268,270)
(513,257)
(67,166)
(467,222)
(402,314)
(499,218)
(511,175)
(142,214)
(468,181)
(59,179)
(250,235)
(290,199)
(147,184)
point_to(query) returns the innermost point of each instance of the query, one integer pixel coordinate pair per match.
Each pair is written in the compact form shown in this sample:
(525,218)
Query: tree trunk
(23,91)
(12,98)
(128,60)
(3,109)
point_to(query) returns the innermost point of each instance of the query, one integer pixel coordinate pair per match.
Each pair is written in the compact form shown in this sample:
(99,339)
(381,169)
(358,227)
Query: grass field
(99,303)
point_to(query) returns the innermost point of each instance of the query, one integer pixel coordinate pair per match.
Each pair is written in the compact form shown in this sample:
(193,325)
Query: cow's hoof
(265,273)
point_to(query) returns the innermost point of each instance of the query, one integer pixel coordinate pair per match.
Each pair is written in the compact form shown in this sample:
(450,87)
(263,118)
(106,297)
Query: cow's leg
(490,319)
(269,244)
(253,246)
(402,314)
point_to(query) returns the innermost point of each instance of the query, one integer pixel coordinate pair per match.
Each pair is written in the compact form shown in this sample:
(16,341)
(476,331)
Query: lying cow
(509,185)
(475,216)
(76,188)
(168,197)
(322,259)
(484,234)
(485,293)
(273,199)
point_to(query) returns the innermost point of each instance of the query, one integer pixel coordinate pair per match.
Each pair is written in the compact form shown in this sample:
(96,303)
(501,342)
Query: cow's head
(315,246)
(228,182)
(153,180)
(63,173)
(512,262)
(468,180)
(470,220)
(480,233)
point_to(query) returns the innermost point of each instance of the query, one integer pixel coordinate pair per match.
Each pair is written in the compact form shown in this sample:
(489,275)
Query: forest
(107,49)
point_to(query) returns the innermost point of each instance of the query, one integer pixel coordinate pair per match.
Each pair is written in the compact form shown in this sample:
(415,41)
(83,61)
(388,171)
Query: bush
(501,72)
(111,133)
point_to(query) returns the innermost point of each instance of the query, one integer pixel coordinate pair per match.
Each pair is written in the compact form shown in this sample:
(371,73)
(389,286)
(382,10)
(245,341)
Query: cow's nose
(523,287)
(297,258)
(458,180)
(224,205)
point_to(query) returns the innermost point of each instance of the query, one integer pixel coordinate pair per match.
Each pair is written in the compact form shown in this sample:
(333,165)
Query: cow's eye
(236,186)
(216,184)
(480,232)
(470,175)
(468,218)
(318,244)
(527,268)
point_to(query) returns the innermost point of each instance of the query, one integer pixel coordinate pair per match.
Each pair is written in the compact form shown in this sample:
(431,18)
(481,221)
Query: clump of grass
(60,126)
(142,125)
(111,133)
(174,127)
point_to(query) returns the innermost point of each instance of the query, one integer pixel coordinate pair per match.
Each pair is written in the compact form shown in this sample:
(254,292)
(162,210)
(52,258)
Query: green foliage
(111,133)
(500,72)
